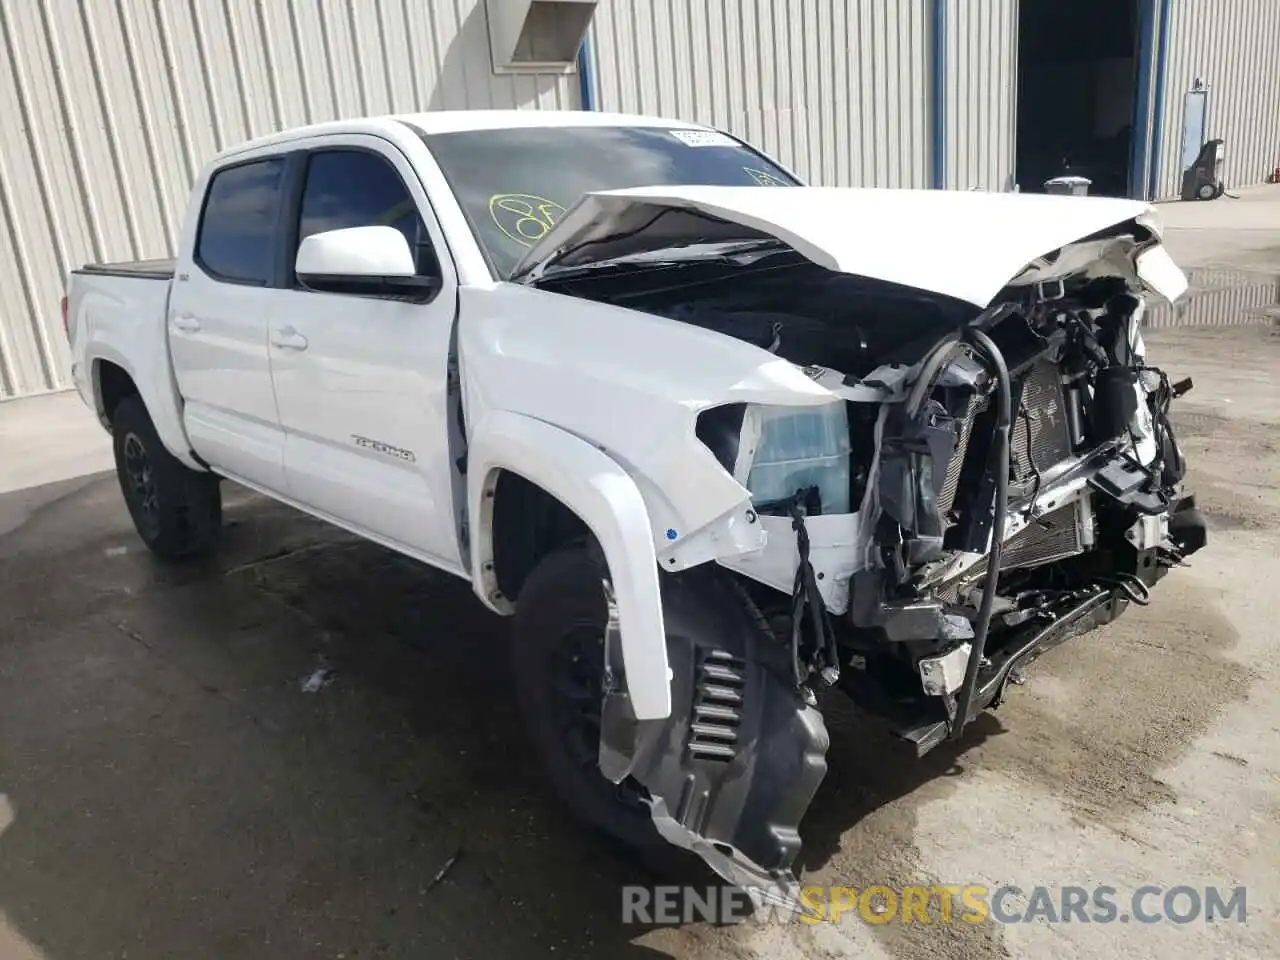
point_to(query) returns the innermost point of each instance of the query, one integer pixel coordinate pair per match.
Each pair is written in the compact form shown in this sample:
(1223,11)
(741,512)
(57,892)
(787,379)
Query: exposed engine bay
(990,483)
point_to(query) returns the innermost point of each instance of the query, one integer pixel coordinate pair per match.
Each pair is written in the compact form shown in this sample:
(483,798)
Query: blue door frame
(1148,103)
(938,96)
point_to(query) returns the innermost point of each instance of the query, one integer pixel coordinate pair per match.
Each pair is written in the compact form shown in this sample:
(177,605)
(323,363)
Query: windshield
(515,184)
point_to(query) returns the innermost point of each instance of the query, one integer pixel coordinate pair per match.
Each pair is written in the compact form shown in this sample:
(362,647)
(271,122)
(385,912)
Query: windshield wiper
(739,253)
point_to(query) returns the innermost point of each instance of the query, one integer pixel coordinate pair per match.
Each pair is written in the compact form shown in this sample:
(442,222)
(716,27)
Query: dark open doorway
(1077,70)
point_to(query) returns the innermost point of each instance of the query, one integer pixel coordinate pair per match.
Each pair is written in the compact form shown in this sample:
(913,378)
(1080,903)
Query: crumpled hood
(966,245)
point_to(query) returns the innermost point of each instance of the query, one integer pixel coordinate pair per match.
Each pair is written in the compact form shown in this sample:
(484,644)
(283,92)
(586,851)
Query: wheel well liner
(112,384)
(529,523)
(608,501)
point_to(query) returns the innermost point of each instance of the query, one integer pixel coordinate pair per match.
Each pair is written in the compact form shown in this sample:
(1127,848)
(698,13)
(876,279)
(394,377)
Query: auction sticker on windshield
(703,138)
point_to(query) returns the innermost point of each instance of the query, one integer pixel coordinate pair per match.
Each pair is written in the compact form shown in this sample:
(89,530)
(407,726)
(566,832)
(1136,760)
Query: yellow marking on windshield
(524,217)
(765,179)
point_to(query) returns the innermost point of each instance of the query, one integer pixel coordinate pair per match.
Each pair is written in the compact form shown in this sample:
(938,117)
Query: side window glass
(238,227)
(353,188)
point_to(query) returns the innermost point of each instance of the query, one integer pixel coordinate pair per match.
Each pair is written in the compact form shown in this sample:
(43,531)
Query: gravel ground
(276,753)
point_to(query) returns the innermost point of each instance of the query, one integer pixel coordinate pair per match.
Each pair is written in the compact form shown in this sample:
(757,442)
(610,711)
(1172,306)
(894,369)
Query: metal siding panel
(1220,298)
(831,88)
(1232,47)
(980,94)
(398,67)
(753,93)
(124,123)
(162,129)
(918,70)
(846,125)
(23,366)
(872,101)
(806,50)
(461,54)
(288,83)
(717,53)
(865,87)
(425,32)
(824,122)
(340,59)
(775,140)
(113,106)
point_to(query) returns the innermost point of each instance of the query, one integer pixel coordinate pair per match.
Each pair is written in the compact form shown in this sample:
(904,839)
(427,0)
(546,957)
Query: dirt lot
(274,754)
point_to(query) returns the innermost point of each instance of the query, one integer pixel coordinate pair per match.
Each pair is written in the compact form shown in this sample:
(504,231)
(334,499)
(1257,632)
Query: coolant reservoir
(802,447)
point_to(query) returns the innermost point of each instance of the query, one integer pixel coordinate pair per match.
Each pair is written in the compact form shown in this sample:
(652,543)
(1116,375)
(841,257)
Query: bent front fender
(607,500)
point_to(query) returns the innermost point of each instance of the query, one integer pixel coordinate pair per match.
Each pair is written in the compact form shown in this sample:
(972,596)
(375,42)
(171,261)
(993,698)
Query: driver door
(360,379)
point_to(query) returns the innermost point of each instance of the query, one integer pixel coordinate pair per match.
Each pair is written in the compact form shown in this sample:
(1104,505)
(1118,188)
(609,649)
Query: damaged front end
(1054,504)
(994,472)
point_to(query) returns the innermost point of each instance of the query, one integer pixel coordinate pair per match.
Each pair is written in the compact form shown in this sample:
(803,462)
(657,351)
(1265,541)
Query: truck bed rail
(161,269)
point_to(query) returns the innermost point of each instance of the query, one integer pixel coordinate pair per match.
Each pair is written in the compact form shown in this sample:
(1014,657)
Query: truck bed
(161,269)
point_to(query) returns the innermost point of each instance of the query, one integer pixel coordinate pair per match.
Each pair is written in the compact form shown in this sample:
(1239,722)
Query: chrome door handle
(287,338)
(186,322)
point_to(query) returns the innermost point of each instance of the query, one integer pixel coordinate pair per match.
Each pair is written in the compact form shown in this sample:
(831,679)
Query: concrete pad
(50,438)
(1240,234)
(173,785)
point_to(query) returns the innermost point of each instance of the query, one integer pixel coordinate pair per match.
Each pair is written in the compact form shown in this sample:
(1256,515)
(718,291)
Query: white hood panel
(966,245)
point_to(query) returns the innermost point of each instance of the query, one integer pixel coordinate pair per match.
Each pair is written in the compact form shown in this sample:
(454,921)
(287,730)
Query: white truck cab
(714,438)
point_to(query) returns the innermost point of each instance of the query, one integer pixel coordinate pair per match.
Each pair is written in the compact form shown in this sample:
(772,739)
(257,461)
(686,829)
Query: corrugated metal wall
(838,90)
(981,83)
(108,109)
(1221,298)
(1234,47)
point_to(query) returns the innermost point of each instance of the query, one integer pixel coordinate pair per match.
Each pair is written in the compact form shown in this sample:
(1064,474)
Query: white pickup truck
(715,438)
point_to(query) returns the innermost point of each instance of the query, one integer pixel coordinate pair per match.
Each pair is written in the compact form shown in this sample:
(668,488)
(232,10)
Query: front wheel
(727,775)
(557,659)
(177,511)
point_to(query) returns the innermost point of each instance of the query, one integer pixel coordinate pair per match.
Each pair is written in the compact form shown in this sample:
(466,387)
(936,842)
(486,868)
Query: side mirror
(361,260)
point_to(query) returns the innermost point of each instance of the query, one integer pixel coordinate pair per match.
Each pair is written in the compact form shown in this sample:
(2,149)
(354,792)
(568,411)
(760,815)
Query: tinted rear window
(515,184)
(237,230)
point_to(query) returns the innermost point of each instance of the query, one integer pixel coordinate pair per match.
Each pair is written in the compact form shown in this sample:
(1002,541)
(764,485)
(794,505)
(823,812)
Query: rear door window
(237,238)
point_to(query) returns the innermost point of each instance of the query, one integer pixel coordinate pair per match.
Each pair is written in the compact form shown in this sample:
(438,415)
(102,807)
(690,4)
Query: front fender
(607,500)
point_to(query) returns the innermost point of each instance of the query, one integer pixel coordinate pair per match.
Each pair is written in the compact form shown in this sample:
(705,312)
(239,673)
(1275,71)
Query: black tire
(177,511)
(557,657)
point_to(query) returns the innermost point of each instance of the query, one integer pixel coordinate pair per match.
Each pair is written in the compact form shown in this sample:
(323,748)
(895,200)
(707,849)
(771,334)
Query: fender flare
(607,500)
(160,399)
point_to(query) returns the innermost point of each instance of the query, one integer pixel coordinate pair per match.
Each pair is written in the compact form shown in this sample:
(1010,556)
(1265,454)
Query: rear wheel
(177,511)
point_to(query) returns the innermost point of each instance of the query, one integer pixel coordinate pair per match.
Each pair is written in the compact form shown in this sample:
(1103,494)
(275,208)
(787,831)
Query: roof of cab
(453,121)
